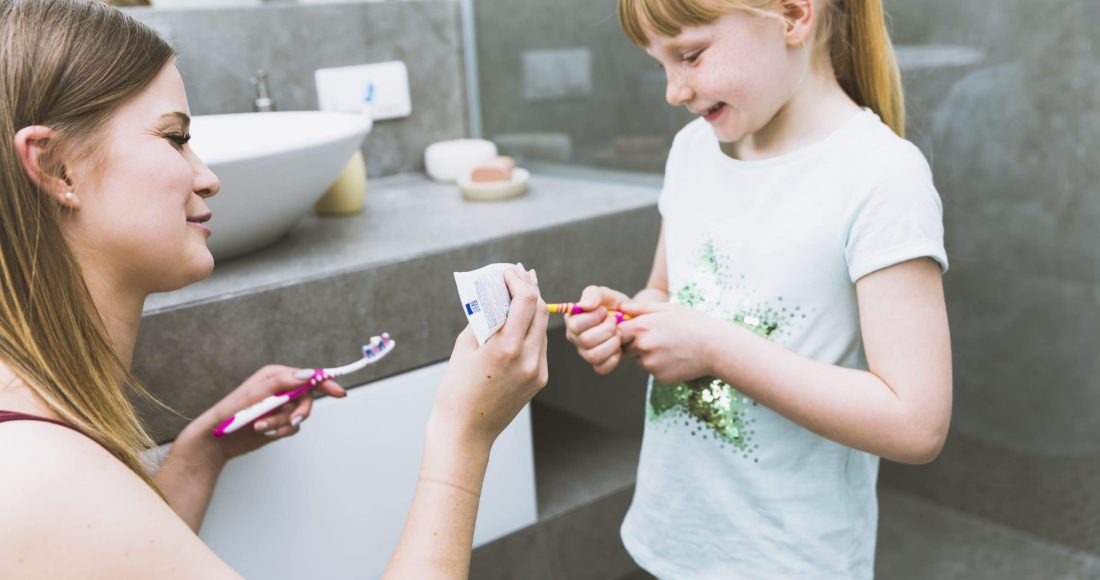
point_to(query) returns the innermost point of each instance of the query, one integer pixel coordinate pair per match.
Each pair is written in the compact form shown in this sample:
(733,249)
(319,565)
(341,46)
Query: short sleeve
(900,218)
(677,166)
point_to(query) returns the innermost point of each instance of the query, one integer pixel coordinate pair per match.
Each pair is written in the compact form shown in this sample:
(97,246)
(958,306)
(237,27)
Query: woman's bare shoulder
(71,509)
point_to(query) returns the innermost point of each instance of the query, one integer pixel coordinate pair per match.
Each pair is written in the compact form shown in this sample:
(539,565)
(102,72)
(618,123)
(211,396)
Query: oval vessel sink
(272,167)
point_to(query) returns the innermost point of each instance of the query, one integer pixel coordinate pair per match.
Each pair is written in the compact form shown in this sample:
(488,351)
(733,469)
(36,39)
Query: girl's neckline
(807,151)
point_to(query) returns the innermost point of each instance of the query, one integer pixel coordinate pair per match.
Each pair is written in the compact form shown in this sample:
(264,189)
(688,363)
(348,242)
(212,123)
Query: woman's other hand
(486,386)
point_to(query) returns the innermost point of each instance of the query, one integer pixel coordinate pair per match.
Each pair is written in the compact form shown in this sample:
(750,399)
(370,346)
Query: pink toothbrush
(379,347)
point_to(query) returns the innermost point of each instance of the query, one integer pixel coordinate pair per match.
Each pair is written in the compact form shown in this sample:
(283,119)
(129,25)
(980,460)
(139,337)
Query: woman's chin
(199,267)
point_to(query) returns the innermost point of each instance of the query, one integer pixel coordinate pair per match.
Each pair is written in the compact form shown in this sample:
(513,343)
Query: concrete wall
(220,49)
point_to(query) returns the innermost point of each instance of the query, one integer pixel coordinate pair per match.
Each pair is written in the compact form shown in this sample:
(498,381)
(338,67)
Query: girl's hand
(594,333)
(285,421)
(670,341)
(486,386)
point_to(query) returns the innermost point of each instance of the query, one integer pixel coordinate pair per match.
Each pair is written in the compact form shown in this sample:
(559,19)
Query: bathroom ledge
(410,216)
(314,297)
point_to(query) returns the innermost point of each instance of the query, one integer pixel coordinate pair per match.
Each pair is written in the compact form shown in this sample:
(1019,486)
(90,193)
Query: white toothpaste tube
(485,298)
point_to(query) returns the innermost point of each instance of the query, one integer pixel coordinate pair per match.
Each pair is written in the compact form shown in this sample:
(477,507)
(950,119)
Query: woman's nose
(206,183)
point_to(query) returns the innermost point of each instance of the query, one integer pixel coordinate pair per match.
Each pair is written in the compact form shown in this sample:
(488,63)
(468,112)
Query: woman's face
(736,72)
(140,224)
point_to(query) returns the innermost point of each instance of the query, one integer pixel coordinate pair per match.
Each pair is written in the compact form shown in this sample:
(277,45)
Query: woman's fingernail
(261,425)
(296,420)
(303,374)
(534,277)
(270,433)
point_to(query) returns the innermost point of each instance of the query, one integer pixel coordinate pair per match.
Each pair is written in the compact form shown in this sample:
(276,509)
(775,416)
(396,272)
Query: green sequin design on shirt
(707,405)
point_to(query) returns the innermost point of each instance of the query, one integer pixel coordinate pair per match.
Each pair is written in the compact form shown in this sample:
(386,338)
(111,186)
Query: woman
(101,204)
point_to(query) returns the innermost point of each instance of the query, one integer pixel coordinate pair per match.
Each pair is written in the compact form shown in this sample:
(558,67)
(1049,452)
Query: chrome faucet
(263,102)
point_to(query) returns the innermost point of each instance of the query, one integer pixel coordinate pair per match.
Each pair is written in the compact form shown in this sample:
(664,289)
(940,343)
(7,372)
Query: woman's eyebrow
(183,118)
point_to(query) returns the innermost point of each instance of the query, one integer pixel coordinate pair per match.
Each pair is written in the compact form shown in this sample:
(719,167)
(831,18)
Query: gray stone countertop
(410,216)
(314,297)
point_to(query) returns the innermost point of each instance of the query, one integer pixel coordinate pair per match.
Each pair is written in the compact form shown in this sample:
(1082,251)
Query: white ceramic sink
(273,167)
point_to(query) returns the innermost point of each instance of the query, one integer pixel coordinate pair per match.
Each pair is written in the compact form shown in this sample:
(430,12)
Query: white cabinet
(331,501)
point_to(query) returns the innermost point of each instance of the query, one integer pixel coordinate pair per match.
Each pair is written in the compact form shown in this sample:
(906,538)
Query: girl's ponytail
(863,59)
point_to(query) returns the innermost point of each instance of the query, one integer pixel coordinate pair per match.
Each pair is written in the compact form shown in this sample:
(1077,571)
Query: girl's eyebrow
(675,46)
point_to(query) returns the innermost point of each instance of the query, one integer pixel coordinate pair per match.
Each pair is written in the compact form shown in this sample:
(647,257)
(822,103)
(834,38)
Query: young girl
(794,320)
(102,202)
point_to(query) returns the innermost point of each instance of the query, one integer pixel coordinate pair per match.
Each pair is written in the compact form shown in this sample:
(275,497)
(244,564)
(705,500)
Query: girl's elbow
(928,450)
(923,446)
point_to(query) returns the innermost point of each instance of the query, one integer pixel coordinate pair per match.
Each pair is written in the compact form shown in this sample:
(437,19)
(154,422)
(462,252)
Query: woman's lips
(199,222)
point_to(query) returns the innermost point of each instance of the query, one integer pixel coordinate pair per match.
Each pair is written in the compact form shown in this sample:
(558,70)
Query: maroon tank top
(6,416)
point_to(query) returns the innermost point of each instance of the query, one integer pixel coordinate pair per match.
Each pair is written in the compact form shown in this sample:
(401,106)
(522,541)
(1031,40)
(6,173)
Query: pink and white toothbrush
(378,348)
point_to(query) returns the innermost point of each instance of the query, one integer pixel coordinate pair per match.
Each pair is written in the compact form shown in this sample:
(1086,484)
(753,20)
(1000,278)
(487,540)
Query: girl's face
(737,72)
(141,220)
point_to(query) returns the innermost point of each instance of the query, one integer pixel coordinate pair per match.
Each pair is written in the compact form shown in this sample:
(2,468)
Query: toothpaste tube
(485,298)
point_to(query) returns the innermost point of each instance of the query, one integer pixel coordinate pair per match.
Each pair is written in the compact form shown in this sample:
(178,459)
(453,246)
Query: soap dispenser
(347,194)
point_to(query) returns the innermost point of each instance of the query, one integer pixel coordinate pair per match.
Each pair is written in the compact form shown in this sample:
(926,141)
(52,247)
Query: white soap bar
(446,161)
(485,298)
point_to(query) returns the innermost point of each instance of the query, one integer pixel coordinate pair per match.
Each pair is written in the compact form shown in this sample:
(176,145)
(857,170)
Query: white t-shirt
(728,488)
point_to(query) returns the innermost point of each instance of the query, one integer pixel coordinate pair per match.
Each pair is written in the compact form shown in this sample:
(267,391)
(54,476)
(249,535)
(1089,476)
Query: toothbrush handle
(250,414)
(253,412)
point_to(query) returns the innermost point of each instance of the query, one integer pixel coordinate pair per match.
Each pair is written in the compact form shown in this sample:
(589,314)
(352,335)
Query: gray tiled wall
(219,49)
(624,100)
(1004,99)
(1014,143)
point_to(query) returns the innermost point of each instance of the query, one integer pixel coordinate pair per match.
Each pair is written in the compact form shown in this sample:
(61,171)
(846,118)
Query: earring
(69,197)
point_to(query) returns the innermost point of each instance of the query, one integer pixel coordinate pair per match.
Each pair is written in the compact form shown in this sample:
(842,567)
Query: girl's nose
(677,92)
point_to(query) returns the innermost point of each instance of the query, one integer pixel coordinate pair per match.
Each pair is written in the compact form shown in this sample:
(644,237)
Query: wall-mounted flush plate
(348,88)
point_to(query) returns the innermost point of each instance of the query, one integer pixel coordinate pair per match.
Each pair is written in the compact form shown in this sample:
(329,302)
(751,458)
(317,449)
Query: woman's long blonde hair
(68,65)
(851,33)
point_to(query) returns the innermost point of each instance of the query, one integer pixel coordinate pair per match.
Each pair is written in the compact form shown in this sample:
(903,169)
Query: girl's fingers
(578,324)
(601,353)
(598,334)
(609,365)
(628,330)
(592,297)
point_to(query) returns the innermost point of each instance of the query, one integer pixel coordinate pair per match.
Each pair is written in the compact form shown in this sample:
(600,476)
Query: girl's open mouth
(714,112)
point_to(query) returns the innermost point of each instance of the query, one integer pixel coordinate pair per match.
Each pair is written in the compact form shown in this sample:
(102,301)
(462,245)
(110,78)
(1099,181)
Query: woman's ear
(30,144)
(799,16)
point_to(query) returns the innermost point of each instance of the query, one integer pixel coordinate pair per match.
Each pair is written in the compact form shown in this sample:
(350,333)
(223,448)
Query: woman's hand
(670,341)
(486,386)
(483,390)
(594,333)
(283,422)
(190,471)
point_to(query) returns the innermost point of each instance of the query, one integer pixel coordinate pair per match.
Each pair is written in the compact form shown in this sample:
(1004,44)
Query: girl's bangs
(667,17)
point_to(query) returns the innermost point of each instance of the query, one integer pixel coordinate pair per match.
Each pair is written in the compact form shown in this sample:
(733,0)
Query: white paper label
(485,298)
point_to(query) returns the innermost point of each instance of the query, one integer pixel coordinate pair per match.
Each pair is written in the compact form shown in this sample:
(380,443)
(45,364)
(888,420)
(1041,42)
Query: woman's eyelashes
(177,138)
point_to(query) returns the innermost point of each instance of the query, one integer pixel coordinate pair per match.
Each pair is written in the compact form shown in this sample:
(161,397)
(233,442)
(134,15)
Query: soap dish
(495,190)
